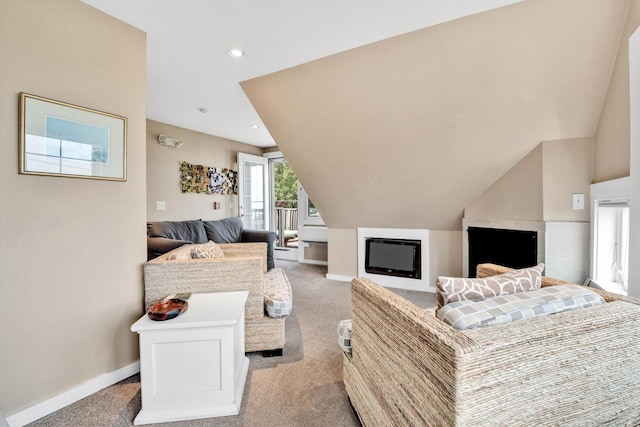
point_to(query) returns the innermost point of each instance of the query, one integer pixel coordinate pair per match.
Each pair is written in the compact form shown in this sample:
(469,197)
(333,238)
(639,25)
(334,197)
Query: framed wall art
(61,139)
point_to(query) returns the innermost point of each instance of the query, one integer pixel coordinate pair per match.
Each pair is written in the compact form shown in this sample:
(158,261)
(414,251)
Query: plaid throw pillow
(452,289)
(522,305)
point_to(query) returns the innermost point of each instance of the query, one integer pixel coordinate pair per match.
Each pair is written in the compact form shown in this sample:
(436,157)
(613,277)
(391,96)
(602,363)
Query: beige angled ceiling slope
(406,132)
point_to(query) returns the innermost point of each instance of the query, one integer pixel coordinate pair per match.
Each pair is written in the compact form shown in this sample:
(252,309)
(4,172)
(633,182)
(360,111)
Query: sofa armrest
(157,246)
(399,345)
(254,250)
(268,237)
(235,273)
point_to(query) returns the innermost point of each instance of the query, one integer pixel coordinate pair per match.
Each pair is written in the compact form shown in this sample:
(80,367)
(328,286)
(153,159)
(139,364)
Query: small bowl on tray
(167,309)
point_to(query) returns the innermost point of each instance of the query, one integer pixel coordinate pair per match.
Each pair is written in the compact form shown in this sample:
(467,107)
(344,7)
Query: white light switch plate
(578,201)
(161,206)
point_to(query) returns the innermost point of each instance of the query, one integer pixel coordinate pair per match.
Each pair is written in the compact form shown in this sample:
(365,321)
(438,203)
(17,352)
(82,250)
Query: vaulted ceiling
(406,132)
(193,83)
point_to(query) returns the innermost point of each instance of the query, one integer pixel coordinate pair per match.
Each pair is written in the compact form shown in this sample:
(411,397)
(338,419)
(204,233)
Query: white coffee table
(193,366)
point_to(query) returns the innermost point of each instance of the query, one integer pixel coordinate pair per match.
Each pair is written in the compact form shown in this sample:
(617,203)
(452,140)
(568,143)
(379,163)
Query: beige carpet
(302,388)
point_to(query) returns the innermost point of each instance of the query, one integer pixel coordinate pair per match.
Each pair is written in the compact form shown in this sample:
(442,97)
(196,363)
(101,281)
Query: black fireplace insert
(511,248)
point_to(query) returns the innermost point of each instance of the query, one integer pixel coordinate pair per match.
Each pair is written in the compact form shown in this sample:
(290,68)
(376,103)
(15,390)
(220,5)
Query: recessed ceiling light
(236,52)
(254,126)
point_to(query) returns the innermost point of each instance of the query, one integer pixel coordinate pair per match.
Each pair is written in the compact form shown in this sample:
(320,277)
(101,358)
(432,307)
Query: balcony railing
(286,222)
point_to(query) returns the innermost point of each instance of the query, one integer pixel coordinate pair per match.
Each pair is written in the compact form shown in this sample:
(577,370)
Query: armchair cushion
(278,302)
(468,314)
(452,289)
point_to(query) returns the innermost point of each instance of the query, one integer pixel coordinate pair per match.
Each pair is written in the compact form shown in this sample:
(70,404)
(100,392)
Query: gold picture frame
(62,139)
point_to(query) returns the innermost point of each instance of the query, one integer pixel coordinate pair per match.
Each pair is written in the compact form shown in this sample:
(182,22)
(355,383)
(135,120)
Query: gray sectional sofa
(165,236)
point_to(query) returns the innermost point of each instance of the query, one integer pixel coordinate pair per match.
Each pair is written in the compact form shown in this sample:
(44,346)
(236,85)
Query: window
(310,215)
(611,255)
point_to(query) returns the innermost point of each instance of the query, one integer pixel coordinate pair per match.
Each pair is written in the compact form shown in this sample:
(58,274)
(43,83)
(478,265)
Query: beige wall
(634,238)
(567,168)
(71,249)
(445,254)
(612,134)
(517,195)
(342,252)
(163,173)
(540,187)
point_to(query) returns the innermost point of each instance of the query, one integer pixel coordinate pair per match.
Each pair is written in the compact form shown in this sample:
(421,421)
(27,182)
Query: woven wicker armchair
(576,368)
(243,268)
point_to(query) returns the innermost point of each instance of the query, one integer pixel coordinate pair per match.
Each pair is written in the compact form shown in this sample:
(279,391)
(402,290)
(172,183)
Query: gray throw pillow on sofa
(228,230)
(191,231)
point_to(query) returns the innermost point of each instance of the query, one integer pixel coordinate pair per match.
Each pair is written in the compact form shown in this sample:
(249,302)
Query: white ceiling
(188,67)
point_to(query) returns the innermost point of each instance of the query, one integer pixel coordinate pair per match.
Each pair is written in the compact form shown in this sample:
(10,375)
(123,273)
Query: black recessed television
(393,257)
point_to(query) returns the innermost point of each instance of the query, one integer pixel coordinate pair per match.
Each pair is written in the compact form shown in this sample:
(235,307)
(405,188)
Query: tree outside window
(286,186)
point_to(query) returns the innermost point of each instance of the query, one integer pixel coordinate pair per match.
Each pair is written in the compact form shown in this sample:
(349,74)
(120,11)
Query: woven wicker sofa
(243,268)
(576,368)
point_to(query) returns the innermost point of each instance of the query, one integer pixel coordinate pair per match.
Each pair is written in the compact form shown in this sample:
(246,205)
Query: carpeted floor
(302,388)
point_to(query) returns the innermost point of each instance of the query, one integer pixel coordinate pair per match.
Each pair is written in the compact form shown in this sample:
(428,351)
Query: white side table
(193,366)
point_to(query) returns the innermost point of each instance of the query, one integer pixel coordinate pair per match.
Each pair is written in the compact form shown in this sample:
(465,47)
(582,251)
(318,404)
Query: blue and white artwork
(79,141)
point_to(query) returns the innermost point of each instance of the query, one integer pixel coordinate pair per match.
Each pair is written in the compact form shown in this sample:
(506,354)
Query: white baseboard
(312,261)
(94,385)
(338,277)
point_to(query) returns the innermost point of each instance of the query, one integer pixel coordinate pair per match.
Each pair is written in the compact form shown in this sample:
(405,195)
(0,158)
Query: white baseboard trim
(94,385)
(338,277)
(312,261)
